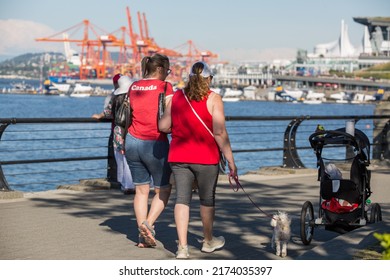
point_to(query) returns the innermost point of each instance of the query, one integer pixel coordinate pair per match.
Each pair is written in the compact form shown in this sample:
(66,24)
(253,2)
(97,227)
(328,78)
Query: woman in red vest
(196,119)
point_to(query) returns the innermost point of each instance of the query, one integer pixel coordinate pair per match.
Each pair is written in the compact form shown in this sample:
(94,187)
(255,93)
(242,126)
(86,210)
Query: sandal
(148,233)
(142,243)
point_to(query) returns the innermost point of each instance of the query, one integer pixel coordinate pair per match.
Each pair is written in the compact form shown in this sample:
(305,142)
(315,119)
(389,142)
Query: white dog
(281,223)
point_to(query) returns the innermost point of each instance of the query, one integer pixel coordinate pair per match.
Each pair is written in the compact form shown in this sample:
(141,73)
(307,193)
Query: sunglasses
(168,70)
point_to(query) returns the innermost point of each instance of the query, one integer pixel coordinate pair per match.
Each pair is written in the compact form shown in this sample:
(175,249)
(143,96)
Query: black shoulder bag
(161,102)
(123,114)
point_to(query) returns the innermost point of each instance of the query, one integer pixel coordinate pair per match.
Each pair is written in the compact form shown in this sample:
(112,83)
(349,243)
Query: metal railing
(48,152)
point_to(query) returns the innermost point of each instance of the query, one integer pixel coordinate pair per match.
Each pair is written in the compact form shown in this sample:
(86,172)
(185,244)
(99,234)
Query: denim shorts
(148,158)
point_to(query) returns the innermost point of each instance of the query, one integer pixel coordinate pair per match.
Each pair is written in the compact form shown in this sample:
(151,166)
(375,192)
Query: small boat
(80,94)
(22,87)
(341,97)
(313,101)
(74,90)
(311,97)
(230,99)
(282,94)
(359,98)
(61,87)
(231,95)
(82,88)
(250,92)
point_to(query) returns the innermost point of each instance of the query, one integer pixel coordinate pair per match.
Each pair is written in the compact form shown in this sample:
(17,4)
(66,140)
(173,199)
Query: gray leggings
(185,174)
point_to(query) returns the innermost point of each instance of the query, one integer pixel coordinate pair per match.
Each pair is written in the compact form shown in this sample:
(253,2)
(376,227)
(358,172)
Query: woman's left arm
(220,134)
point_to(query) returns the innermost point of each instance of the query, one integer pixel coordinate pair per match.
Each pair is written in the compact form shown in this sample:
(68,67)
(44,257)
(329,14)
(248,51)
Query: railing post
(290,155)
(349,150)
(383,145)
(3,182)
(385,151)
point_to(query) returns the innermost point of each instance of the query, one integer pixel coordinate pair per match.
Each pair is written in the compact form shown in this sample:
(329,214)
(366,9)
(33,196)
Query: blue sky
(235,30)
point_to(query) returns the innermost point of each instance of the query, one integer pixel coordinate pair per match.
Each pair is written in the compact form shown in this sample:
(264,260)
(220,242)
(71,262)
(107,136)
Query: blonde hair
(197,87)
(149,64)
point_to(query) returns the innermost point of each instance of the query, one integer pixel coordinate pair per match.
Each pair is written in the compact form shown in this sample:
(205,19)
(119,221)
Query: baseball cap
(116,78)
(124,83)
(206,72)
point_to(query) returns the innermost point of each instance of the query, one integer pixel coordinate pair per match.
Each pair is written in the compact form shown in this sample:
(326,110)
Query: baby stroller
(344,202)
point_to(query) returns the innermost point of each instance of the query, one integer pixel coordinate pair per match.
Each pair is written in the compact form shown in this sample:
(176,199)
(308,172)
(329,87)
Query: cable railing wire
(49,149)
(56,171)
(53,139)
(57,130)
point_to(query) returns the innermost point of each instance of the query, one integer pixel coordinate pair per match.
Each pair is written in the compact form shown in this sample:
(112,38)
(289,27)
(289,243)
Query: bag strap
(196,114)
(126,97)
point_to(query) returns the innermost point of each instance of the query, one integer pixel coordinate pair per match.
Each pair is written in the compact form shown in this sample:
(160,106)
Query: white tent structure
(339,48)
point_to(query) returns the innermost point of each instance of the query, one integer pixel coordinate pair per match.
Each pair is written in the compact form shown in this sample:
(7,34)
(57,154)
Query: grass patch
(374,252)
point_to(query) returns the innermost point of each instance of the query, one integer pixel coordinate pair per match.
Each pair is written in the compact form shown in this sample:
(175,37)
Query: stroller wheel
(376,213)
(307,223)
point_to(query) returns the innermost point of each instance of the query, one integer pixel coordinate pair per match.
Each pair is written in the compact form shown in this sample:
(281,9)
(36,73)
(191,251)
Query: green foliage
(377,72)
(380,67)
(385,243)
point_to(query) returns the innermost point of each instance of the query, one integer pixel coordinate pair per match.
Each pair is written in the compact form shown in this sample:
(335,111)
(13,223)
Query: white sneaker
(214,244)
(182,252)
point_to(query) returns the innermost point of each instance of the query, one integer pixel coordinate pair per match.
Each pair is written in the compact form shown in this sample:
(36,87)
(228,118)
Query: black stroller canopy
(359,141)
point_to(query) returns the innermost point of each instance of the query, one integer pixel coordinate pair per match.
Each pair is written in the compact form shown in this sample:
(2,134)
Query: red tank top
(144,103)
(191,142)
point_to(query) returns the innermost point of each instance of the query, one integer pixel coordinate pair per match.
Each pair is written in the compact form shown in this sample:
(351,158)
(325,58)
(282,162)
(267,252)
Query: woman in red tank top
(195,117)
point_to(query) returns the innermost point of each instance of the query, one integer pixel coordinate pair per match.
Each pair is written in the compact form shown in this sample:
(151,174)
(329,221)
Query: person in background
(112,101)
(147,147)
(194,153)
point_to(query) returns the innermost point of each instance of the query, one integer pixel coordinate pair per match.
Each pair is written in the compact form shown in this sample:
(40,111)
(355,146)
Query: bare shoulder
(215,97)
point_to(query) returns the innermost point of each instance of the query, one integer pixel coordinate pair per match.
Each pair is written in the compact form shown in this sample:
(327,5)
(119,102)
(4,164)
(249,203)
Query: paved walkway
(100,225)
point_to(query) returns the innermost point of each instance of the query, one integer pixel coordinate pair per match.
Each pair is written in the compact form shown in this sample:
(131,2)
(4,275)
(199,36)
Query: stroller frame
(355,190)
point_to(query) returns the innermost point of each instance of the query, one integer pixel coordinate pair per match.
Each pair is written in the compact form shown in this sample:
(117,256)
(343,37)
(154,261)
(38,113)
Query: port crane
(95,58)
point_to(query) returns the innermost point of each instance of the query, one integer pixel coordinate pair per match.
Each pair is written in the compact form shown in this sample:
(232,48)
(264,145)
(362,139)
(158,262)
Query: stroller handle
(332,137)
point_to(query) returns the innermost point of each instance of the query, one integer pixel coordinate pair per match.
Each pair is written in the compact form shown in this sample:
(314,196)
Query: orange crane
(88,57)
(133,37)
(192,53)
(95,59)
(149,45)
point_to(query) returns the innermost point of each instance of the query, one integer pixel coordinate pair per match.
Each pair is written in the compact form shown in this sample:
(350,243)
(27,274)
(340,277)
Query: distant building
(376,39)
(341,55)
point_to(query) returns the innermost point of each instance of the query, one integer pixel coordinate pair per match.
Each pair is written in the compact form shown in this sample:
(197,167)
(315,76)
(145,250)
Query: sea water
(243,135)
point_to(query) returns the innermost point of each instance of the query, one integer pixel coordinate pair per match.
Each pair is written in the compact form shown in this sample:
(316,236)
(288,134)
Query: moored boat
(73,89)
(341,97)
(311,97)
(231,95)
(80,94)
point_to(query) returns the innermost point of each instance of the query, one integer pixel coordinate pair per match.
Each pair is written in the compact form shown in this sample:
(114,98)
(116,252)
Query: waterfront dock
(99,224)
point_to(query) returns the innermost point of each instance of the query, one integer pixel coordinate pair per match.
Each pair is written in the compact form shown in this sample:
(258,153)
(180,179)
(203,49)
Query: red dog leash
(239,186)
